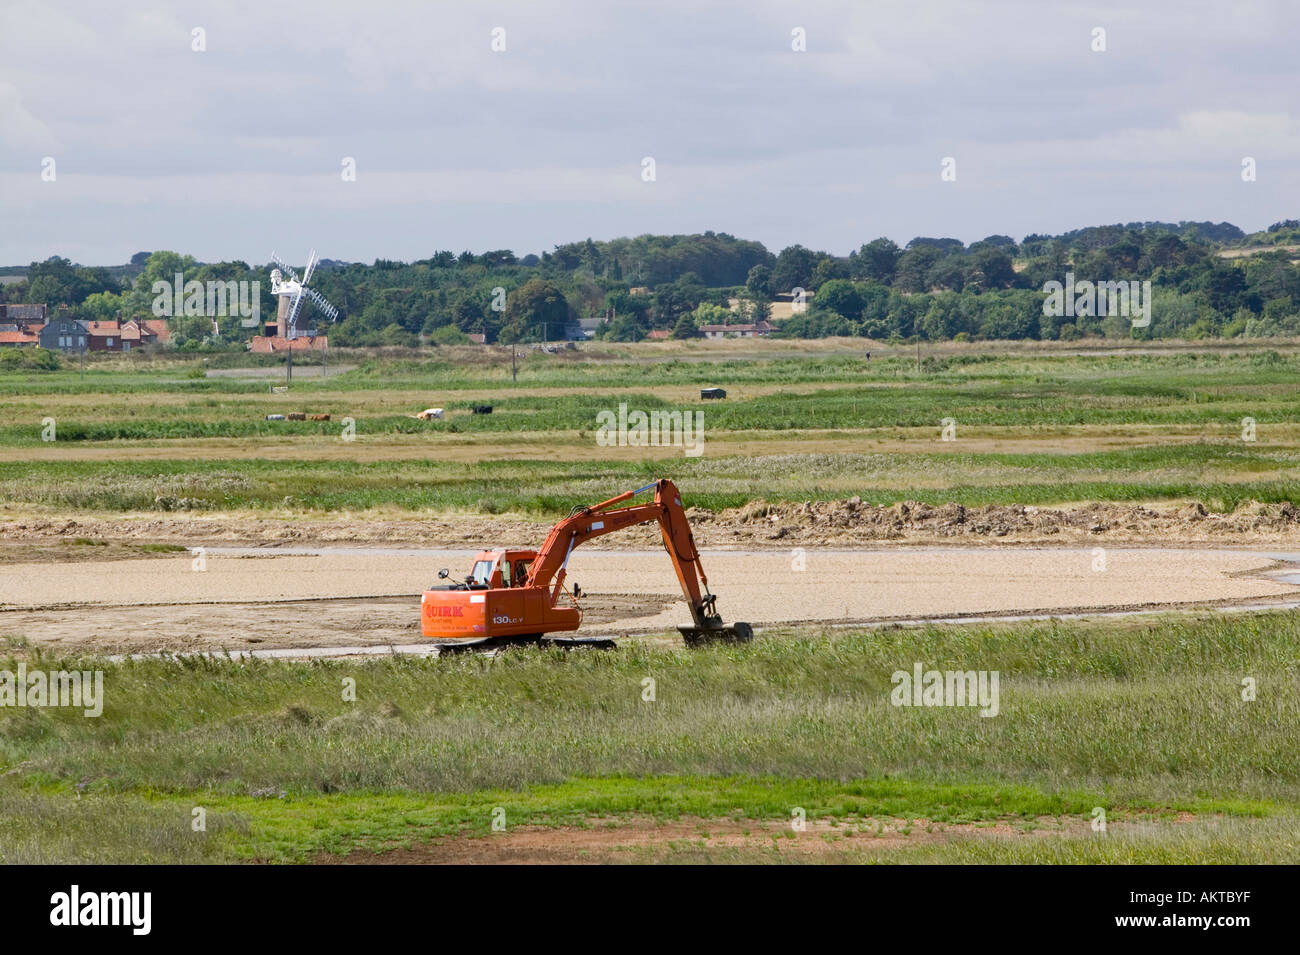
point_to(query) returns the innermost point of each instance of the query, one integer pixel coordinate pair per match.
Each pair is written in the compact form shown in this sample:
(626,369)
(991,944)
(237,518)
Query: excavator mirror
(442,574)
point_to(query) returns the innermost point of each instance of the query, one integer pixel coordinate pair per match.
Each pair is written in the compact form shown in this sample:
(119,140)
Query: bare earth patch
(846,523)
(638,839)
(358,597)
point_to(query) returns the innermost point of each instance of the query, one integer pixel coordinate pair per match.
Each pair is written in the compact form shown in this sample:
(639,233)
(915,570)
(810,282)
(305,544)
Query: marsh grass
(1155,403)
(1137,714)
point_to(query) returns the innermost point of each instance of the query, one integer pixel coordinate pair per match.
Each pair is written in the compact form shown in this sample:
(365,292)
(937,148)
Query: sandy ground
(356,597)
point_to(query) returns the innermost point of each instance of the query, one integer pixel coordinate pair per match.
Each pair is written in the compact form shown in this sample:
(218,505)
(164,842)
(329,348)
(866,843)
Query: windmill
(291,292)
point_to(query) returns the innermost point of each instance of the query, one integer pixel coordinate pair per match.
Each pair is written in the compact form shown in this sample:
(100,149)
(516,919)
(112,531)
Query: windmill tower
(291,291)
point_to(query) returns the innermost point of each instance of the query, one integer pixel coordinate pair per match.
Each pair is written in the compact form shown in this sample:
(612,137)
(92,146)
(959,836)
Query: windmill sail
(321,303)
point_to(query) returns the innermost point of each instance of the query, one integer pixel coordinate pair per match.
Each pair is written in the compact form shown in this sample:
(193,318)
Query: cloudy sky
(240,149)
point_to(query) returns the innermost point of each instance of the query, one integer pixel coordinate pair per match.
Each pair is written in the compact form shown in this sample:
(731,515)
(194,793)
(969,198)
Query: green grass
(45,825)
(977,390)
(1040,400)
(1142,717)
(1218,475)
(1126,715)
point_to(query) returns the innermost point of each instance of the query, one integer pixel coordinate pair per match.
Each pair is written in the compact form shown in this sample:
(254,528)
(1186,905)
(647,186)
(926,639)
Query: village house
(63,334)
(16,335)
(126,336)
(759,329)
(21,324)
(24,316)
(588,327)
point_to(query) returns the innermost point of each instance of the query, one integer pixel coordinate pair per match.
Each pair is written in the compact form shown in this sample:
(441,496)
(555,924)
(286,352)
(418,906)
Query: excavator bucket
(703,636)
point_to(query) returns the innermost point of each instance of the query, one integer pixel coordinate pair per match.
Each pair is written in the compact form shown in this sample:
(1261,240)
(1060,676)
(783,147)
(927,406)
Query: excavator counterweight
(513,596)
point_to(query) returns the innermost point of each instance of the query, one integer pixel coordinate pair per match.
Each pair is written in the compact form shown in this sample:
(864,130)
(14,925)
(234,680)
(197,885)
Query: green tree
(536,310)
(841,297)
(676,298)
(877,261)
(914,267)
(448,335)
(794,269)
(395,334)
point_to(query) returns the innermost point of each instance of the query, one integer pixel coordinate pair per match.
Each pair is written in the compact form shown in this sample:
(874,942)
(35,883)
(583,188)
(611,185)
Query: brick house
(104,336)
(21,324)
(12,336)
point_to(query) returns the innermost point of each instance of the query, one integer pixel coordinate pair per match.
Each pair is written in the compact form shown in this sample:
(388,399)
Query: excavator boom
(534,582)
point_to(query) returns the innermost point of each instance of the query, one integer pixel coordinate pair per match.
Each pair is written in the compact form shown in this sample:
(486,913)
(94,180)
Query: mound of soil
(758,524)
(852,522)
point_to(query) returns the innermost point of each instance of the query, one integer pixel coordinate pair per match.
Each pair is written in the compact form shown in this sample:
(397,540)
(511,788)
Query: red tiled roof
(159,327)
(18,338)
(266,345)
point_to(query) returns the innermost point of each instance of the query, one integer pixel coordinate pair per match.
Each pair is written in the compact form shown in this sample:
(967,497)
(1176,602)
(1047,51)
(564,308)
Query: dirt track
(641,839)
(347,598)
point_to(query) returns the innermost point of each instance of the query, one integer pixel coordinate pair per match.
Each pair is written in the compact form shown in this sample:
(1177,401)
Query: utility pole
(514,363)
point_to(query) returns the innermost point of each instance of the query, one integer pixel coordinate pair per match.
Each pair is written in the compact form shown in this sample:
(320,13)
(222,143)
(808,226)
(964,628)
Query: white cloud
(541,144)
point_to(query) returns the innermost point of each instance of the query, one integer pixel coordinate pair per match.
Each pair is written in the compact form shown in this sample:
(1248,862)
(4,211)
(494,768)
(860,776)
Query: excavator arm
(587,523)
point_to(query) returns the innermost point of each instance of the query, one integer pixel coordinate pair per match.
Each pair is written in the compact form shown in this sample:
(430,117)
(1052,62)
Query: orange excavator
(518,596)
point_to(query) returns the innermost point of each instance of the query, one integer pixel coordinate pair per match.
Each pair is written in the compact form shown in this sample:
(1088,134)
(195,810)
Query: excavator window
(505,574)
(521,572)
(482,573)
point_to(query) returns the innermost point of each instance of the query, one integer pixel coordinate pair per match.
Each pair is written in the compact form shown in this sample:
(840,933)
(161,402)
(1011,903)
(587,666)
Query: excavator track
(703,636)
(493,644)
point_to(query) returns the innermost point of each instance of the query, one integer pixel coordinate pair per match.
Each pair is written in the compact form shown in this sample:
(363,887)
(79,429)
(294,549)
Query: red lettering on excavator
(433,610)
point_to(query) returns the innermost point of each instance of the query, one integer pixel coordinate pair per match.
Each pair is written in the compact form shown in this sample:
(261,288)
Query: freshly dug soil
(847,523)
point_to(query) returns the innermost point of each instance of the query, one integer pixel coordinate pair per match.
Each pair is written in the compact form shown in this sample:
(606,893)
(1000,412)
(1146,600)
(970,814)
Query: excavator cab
(494,601)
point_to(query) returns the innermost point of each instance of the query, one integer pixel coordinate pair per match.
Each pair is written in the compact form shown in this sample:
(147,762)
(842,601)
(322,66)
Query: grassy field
(1033,428)
(1143,718)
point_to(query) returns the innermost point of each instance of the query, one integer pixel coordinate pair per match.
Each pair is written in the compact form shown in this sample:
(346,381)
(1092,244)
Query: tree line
(930,288)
